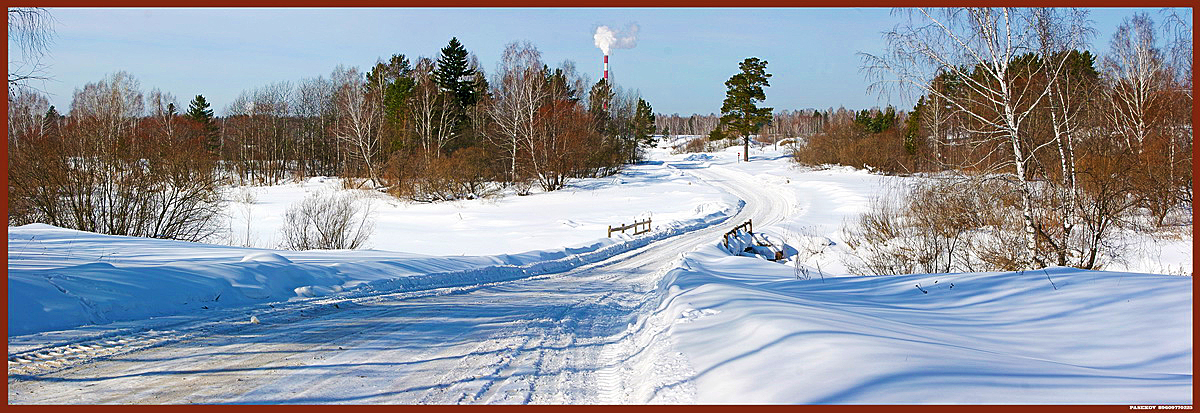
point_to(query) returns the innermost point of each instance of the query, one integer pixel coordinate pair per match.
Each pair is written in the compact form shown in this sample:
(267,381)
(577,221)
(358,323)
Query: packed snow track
(583,336)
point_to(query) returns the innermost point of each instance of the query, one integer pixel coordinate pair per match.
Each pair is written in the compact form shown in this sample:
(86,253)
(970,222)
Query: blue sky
(681,61)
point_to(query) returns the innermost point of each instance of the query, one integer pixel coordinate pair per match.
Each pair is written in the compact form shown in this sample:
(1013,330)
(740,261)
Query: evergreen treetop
(453,73)
(200,111)
(740,111)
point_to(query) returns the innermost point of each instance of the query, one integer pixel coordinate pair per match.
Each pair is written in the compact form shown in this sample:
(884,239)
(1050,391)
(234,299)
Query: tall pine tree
(456,77)
(643,123)
(740,112)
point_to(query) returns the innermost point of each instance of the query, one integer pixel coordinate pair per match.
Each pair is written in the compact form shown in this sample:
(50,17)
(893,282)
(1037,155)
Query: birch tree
(1135,71)
(519,90)
(977,46)
(358,119)
(31,30)
(431,110)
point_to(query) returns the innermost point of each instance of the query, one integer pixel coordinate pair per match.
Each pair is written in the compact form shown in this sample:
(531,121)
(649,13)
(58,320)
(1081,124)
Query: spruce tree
(453,73)
(912,127)
(200,111)
(740,112)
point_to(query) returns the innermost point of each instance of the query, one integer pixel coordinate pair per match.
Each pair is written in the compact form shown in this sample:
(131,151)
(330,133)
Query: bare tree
(1134,68)
(26,116)
(359,119)
(109,108)
(257,123)
(163,109)
(980,48)
(519,90)
(431,110)
(109,170)
(32,30)
(313,103)
(1058,36)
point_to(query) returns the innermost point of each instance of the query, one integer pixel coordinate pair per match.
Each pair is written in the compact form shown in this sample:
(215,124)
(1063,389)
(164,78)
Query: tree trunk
(746,148)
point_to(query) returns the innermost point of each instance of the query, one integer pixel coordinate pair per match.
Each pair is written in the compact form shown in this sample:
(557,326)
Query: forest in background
(126,162)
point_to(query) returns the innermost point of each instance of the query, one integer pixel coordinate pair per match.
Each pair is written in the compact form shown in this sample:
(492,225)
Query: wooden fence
(634,226)
(747,226)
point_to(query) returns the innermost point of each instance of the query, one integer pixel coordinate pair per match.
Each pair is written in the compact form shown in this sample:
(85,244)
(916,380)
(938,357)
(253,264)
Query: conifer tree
(740,112)
(598,100)
(454,75)
(643,124)
(200,111)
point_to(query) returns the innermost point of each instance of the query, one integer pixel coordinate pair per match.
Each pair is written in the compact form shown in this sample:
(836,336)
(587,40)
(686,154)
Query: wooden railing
(747,226)
(634,226)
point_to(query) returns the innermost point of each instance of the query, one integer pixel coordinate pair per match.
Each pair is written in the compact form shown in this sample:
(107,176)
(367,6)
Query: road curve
(580,336)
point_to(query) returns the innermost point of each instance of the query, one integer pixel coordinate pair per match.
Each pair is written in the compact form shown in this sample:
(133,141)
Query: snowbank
(60,278)
(755,333)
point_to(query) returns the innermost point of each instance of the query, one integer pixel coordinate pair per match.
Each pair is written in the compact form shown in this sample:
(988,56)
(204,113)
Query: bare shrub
(327,220)
(105,169)
(693,146)
(468,173)
(938,226)
(877,239)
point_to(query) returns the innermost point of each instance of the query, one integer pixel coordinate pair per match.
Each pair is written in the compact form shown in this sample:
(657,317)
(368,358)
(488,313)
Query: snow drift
(754,333)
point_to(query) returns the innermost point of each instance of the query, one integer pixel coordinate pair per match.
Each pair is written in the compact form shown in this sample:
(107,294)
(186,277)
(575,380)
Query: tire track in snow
(598,340)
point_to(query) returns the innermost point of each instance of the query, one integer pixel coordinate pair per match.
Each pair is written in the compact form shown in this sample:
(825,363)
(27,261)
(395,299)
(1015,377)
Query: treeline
(786,127)
(1046,155)
(785,124)
(426,130)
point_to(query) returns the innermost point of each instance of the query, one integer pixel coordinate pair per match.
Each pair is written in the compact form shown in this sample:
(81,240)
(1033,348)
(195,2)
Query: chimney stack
(605,68)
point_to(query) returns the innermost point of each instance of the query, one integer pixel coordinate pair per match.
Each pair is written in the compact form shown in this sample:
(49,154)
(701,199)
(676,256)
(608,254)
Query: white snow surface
(754,333)
(577,214)
(569,317)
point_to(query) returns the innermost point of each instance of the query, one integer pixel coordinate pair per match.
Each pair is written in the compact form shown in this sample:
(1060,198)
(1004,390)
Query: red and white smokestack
(606,79)
(605,68)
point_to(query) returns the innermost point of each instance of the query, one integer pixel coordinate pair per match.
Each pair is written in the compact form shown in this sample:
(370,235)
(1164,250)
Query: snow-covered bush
(328,220)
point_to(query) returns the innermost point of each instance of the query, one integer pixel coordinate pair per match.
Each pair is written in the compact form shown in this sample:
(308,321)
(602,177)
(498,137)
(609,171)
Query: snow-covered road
(588,335)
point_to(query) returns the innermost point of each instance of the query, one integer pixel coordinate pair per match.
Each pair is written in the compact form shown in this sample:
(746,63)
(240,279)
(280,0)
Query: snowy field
(539,307)
(510,224)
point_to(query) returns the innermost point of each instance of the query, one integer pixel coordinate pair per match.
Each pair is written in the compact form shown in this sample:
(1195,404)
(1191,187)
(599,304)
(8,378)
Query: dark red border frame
(581,4)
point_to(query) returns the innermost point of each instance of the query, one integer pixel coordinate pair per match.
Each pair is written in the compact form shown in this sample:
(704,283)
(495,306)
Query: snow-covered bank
(60,278)
(754,333)
(825,199)
(579,213)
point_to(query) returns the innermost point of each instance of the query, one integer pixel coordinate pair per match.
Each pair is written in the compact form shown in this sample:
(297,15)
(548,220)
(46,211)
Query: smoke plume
(608,39)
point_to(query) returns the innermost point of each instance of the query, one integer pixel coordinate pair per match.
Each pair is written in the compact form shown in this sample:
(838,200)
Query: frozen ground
(666,317)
